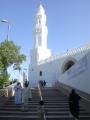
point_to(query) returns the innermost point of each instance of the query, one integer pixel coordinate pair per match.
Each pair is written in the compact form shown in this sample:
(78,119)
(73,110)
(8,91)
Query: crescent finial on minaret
(40,1)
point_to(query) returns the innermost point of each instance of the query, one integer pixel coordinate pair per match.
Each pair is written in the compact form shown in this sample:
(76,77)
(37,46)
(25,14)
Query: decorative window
(40,73)
(68,65)
(32,69)
(39,16)
(38,30)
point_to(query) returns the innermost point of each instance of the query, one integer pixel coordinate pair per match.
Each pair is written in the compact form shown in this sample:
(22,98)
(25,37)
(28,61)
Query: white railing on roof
(67,53)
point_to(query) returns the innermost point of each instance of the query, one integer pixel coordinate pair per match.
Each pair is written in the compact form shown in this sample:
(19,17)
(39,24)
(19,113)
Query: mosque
(70,68)
(62,73)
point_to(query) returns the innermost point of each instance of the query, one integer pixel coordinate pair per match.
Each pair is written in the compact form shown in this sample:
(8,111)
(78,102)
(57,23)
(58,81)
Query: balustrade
(67,53)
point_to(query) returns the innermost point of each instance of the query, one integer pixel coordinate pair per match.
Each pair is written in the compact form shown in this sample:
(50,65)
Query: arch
(68,63)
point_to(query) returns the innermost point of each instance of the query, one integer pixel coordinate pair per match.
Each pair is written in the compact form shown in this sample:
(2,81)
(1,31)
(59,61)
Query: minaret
(40,51)
(40,30)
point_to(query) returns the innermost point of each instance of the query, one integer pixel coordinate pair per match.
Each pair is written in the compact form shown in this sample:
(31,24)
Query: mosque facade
(70,68)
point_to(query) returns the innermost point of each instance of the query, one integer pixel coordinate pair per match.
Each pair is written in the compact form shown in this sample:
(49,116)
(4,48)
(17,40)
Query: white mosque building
(71,68)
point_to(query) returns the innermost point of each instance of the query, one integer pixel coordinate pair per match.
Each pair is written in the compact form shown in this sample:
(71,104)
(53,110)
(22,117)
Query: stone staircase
(57,108)
(55,104)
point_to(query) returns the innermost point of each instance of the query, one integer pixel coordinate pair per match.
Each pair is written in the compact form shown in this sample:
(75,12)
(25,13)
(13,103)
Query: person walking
(41,83)
(44,83)
(18,90)
(25,96)
(74,104)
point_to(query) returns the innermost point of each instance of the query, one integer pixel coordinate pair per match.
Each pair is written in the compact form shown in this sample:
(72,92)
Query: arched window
(68,65)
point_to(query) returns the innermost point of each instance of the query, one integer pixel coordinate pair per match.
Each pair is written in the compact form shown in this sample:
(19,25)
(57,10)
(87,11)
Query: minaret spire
(40,50)
(40,29)
(41,1)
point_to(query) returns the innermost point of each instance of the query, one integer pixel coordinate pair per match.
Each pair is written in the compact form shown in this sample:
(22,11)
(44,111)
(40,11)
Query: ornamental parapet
(67,53)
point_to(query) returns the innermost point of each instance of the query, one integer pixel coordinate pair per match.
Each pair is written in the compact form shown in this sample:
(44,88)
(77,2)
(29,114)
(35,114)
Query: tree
(9,55)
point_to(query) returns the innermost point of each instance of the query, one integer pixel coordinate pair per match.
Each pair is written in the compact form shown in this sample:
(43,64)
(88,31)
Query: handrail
(85,98)
(67,86)
(41,98)
(40,93)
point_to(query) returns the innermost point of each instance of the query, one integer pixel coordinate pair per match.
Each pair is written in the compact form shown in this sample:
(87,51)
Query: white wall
(51,70)
(78,76)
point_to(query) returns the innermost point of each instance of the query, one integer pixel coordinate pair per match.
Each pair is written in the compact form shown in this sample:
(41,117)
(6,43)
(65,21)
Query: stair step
(67,117)
(18,113)
(18,117)
(17,109)
(55,104)
(36,104)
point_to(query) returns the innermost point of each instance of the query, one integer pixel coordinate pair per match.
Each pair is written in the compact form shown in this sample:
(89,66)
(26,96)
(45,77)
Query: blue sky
(68,23)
